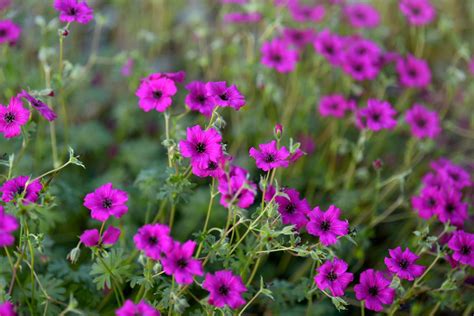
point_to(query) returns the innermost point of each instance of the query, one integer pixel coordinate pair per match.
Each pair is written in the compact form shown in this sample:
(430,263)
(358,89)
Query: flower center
(358,67)
(403,264)
(421,122)
(373,291)
(157,95)
(20,190)
(269,158)
(431,202)
(376,117)
(290,208)
(201,98)
(329,49)
(152,240)
(415,10)
(200,148)
(325,226)
(3,32)
(107,203)
(465,250)
(223,290)
(332,276)
(212,165)
(72,11)
(9,117)
(276,58)
(450,207)
(224,97)
(412,73)
(182,263)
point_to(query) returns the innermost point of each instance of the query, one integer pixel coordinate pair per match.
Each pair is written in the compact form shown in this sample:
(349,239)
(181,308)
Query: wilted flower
(38,105)
(224,288)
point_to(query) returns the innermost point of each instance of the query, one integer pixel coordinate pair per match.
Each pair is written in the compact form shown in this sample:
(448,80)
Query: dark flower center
(201,98)
(415,10)
(361,50)
(373,291)
(403,264)
(152,240)
(412,73)
(269,158)
(72,11)
(212,165)
(421,122)
(224,97)
(332,276)
(200,148)
(290,208)
(107,203)
(360,15)
(157,94)
(9,117)
(20,190)
(325,226)
(3,32)
(358,67)
(223,290)
(450,207)
(431,202)
(182,263)
(454,176)
(329,49)
(277,58)
(376,117)
(465,250)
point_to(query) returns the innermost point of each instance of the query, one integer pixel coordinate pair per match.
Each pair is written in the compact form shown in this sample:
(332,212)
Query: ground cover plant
(236,157)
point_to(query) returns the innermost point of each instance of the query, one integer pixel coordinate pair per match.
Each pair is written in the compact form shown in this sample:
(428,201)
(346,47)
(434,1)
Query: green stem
(208,215)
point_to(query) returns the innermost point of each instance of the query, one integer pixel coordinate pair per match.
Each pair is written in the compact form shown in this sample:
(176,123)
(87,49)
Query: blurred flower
(236,189)
(277,55)
(179,262)
(427,202)
(418,12)
(21,187)
(462,244)
(402,263)
(452,209)
(306,13)
(224,288)
(374,289)
(269,156)
(298,37)
(131,309)
(73,11)
(4,4)
(7,309)
(201,146)
(333,105)
(106,201)
(127,68)
(9,32)
(198,98)
(155,93)
(330,46)
(471,66)
(362,58)
(450,174)
(327,225)
(40,106)
(13,117)
(292,209)
(8,224)
(413,72)
(423,123)
(224,95)
(332,274)
(242,17)
(376,116)
(307,144)
(154,240)
(362,15)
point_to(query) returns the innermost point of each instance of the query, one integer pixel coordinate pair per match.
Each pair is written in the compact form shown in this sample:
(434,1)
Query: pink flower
(269,156)
(21,187)
(9,32)
(298,37)
(12,118)
(362,15)
(73,11)
(330,46)
(201,146)
(427,202)
(154,240)
(277,55)
(8,224)
(423,122)
(413,72)
(235,188)
(306,13)
(90,237)
(224,95)
(418,12)
(131,309)
(378,115)
(334,105)
(7,309)
(179,262)
(327,225)
(293,210)
(106,201)
(333,275)
(198,98)
(242,17)
(155,94)
(374,289)
(402,263)
(452,209)
(213,169)
(462,244)
(40,106)
(225,288)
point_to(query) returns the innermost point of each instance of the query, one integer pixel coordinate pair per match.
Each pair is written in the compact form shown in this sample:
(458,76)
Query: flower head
(201,146)
(306,13)
(452,209)
(427,202)
(40,106)
(334,105)
(179,262)
(235,188)
(418,12)
(13,117)
(224,288)
(292,209)
(224,95)
(91,237)
(374,289)
(378,115)
(131,309)
(327,225)
(462,244)
(413,72)
(154,240)
(269,157)
(198,98)
(9,32)
(298,37)
(7,309)
(155,93)
(361,58)
(449,174)
(212,168)
(402,263)
(423,122)
(74,11)
(8,224)
(276,54)
(21,187)
(362,15)
(330,46)
(106,201)
(242,17)
(333,274)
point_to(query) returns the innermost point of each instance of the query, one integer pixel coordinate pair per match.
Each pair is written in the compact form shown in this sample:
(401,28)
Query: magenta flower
(180,264)
(334,105)
(378,115)
(201,146)
(451,174)
(452,209)
(362,58)
(154,240)
(236,189)
(423,123)
(462,244)
(155,94)
(242,17)
(91,237)
(127,68)
(211,169)
(106,201)
(225,288)
(276,54)
(292,209)
(198,98)
(327,225)
(9,32)
(225,96)
(427,202)
(306,13)
(374,289)
(269,156)
(298,37)
(362,15)
(38,105)
(470,67)
(413,72)
(7,309)
(4,4)
(12,118)
(333,275)
(73,11)
(131,309)
(330,46)
(176,77)
(21,187)
(8,224)
(402,263)
(418,12)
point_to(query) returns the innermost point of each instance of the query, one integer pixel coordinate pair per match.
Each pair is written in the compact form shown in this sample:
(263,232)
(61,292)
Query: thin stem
(208,215)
